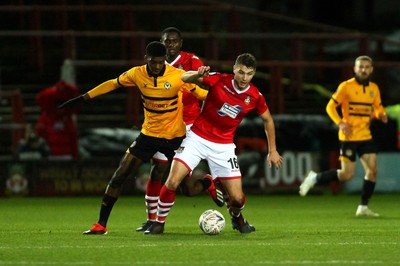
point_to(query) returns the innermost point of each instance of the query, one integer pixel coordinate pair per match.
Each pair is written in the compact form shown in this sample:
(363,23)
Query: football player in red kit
(229,99)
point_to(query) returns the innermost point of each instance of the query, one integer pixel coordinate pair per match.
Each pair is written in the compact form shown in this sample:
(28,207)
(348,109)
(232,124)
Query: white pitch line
(359,243)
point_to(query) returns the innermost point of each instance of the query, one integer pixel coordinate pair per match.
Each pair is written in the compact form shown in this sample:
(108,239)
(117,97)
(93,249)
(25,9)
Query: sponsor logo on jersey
(229,110)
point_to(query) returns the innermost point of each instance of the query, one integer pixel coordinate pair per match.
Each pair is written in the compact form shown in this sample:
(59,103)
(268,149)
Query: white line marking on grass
(203,245)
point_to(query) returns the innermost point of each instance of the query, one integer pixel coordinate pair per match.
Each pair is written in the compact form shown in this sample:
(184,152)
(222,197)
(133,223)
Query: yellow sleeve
(338,97)
(200,93)
(103,88)
(379,111)
(378,108)
(332,112)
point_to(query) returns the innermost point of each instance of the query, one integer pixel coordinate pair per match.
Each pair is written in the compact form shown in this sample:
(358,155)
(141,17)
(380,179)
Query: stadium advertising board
(55,178)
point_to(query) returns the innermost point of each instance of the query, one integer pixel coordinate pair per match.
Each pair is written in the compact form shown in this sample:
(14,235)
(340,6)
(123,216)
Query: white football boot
(308,183)
(363,210)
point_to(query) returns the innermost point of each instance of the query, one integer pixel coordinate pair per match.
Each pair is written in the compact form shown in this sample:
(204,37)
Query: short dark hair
(246,59)
(171,29)
(156,49)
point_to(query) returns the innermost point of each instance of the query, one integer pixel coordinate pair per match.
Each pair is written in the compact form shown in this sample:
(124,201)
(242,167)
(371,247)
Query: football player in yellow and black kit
(163,128)
(171,37)
(358,98)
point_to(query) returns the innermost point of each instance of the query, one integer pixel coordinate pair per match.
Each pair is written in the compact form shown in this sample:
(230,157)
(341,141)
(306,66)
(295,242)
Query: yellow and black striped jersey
(357,103)
(161,97)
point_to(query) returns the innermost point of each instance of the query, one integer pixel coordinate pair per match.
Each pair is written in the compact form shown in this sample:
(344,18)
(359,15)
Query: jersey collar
(176,60)
(362,82)
(155,76)
(237,89)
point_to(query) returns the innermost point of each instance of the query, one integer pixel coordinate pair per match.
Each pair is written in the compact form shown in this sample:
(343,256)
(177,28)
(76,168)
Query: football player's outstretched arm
(103,88)
(200,93)
(196,77)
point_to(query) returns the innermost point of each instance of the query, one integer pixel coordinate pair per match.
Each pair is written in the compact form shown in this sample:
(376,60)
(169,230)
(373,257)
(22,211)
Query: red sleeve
(212,79)
(262,105)
(196,63)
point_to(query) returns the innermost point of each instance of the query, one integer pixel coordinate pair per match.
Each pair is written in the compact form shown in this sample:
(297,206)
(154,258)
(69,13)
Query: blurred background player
(171,37)
(229,99)
(357,97)
(393,112)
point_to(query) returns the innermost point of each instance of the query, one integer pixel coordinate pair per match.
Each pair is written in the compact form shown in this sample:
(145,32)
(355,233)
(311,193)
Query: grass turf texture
(290,230)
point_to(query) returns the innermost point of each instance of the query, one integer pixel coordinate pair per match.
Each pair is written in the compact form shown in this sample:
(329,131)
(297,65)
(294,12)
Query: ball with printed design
(211,222)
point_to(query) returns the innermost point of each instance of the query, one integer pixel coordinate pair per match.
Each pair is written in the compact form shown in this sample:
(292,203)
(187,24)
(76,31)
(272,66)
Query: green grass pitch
(290,230)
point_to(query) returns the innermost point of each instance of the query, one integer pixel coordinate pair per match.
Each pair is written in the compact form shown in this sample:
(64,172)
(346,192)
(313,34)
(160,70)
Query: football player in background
(357,97)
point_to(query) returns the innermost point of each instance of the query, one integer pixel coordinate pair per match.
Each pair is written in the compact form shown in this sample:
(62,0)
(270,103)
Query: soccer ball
(211,222)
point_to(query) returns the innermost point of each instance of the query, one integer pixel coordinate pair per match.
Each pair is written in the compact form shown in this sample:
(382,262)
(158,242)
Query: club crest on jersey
(247,100)
(229,110)
(167,85)
(371,94)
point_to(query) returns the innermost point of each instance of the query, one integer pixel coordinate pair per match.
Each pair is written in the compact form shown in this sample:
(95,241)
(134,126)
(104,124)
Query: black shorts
(349,149)
(144,147)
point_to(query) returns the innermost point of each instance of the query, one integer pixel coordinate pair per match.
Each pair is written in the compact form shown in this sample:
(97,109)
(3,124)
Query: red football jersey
(191,105)
(225,108)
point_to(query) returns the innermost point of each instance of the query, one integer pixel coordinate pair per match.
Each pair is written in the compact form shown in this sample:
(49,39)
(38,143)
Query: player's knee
(372,172)
(118,178)
(346,176)
(159,171)
(172,184)
(116,181)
